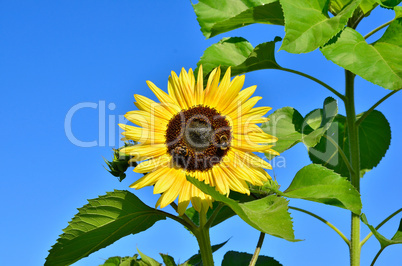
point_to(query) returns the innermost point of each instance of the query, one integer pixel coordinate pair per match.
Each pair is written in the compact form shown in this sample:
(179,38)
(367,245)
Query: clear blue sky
(58,55)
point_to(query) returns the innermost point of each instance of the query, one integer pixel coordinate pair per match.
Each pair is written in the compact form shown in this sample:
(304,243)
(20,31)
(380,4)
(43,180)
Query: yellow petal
(153,163)
(199,89)
(143,152)
(150,179)
(146,120)
(240,99)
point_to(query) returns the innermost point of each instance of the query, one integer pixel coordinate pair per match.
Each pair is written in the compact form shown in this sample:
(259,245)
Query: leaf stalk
(342,97)
(333,227)
(257,249)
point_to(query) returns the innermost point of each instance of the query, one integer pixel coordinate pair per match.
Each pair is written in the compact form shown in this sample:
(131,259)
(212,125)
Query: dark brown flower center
(198,138)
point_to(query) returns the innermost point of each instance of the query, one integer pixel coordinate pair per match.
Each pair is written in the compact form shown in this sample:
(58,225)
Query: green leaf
(388,3)
(384,242)
(365,6)
(269,215)
(224,213)
(168,260)
(216,17)
(148,260)
(234,258)
(239,54)
(285,124)
(289,126)
(318,121)
(374,139)
(196,260)
(100,223)
(316,183)
(124,261)
(314,28)
(378,63)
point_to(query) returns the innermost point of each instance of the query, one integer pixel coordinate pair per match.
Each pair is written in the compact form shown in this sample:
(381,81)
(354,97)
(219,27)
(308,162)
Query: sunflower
(209,134)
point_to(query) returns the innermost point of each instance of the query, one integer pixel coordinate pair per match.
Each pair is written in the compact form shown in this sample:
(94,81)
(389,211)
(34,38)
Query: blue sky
(59,55)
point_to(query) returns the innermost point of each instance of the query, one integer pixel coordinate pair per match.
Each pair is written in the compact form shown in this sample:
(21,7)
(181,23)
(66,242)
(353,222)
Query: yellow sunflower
(209,134)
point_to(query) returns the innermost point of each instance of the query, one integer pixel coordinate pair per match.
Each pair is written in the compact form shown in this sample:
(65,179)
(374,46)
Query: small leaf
(239,54)
(234,258)
(384,242)
(314,28)
(374,139)
(365,6)
(269,215)
(388,3)
(168,260)
(124,261)
(100,223)
(285,124)
(148,260)
(317,183)
(378,63)
(318,121)
(216,17)
(196,260)
(288,125)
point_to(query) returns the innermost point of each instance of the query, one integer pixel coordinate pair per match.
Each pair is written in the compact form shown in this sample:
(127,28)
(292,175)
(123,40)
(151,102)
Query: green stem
(355,162)
(203,239)
(379,226)
(377,29)
(257,249)
(214,214)
(316,80)
(184,217)
(376,257)
(325,222)
(190,226)
(360,120)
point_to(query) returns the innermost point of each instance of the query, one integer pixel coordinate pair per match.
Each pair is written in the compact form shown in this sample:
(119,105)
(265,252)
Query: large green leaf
(316,183)
(234,258)
(269,215)
(216,17)
(289,126)
(100,223)
(374,139)
(308,26)
(384,242)
(239,54)
(379,63)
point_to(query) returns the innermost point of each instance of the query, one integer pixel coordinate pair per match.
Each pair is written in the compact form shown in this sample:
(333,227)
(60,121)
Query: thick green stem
(204,242)
(355,162)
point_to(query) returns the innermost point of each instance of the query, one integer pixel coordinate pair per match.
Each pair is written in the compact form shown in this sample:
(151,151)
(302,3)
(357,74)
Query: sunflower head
(210,134)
